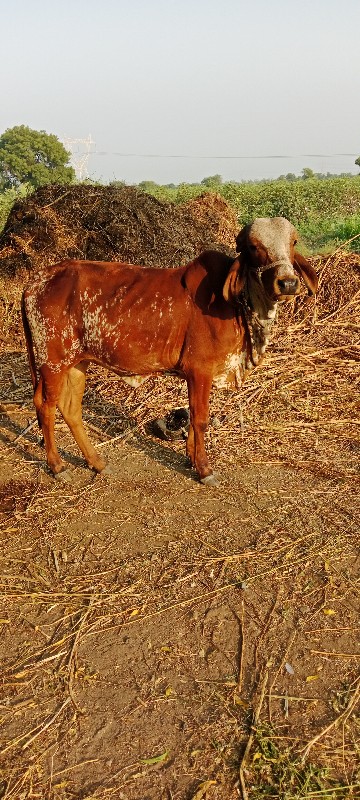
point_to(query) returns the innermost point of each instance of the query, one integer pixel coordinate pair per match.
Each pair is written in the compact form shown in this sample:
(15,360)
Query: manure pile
(105,223)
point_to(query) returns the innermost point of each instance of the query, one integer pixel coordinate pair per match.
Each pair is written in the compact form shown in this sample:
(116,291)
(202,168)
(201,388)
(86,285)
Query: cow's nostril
(287,285)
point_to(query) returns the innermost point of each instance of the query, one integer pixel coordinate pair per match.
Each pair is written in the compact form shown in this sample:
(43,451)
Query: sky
(178,90)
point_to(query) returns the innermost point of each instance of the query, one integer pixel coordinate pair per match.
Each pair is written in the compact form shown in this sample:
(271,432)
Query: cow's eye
(295,241)
(253,247)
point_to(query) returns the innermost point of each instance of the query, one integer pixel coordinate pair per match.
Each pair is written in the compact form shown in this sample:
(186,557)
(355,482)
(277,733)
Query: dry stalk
(287,650)
(250,740)
(25,431)
(242,648)
(72,661)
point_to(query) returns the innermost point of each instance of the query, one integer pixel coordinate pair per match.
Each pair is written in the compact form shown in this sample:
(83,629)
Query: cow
(208,322)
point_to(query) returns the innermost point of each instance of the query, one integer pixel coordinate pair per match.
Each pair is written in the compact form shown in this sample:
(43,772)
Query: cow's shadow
(101,415)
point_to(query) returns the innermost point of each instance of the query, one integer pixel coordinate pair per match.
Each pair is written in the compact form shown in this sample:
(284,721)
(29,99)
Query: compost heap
(108,223)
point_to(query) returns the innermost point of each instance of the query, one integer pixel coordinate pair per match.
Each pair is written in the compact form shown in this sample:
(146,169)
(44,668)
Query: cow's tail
(36,381)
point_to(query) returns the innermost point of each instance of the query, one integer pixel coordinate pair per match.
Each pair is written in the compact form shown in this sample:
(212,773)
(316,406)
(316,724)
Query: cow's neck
(260,315)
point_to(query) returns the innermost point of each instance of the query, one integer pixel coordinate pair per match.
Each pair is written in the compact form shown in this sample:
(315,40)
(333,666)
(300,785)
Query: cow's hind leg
(70,405)
(45,400)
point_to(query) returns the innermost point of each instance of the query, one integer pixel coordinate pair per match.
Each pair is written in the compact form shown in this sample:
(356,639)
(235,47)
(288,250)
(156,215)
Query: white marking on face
(277,235)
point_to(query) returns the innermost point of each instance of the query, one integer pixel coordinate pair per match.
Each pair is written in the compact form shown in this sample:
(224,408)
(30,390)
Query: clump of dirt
(112,224)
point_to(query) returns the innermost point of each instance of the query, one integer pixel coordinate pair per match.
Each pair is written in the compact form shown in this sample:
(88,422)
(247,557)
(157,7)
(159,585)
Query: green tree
(212,181)
(148,186)
(357,161)
(32,157)
(307,173)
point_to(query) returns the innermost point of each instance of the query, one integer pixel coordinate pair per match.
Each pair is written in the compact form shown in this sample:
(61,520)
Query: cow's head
(269,262)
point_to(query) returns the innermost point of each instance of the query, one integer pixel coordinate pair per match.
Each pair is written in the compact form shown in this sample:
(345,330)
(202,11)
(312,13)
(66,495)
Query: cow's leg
(190,445)
(70,405)
(45,398)
(199,387)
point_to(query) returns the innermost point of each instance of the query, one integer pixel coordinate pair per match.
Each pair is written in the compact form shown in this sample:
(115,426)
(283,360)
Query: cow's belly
(231,376)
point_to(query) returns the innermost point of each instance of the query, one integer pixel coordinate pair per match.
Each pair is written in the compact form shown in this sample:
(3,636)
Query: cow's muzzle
(280,284)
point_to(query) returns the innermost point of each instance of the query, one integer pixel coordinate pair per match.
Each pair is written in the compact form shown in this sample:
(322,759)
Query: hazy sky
(206,79)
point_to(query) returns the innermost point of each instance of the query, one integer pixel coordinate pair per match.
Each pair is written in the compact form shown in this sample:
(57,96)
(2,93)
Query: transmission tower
(80,150)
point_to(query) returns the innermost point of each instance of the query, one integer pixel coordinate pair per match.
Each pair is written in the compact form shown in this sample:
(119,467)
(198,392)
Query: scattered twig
(48,723)
(285,654)
(25,431)
(73,656)
(125,436)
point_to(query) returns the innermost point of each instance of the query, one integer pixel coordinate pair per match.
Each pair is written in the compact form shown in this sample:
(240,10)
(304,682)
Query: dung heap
(112,224)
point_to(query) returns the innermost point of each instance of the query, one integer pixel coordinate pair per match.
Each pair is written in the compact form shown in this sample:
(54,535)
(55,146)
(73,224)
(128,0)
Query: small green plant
(280,773)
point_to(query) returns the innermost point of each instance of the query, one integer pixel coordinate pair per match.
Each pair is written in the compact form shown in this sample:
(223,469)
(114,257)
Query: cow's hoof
(108,470)
(211,480)
(65,476)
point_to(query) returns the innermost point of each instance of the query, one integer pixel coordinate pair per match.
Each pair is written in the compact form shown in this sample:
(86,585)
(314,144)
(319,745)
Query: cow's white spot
(134,380)
(233,373)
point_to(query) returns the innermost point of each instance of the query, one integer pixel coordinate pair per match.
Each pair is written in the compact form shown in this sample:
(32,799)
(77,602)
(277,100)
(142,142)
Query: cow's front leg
(199,387)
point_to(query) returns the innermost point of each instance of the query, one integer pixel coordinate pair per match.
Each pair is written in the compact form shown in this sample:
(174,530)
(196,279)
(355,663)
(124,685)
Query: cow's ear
(307,273)
(241,239)
(235,281)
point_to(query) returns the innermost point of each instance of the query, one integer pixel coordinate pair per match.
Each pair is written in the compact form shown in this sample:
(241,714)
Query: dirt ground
(144,615)
(162,640)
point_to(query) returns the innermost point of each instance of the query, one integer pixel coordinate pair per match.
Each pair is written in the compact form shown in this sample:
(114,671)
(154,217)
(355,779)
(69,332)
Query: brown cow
(208,322)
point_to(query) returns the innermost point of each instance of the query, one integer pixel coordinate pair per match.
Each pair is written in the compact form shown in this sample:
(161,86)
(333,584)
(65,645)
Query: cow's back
(130,318)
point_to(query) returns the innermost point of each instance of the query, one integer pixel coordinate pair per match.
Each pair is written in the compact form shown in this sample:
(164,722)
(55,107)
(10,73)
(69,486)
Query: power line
(234,158)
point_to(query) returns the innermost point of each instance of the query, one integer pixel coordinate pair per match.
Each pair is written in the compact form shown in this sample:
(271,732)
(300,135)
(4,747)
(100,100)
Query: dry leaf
(155,759)
(239,701)
(202,789)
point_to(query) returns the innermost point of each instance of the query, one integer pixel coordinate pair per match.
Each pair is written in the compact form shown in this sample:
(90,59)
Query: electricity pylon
(79,157)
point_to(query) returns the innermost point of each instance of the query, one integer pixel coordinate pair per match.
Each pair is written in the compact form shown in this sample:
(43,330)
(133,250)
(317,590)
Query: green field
(325,211)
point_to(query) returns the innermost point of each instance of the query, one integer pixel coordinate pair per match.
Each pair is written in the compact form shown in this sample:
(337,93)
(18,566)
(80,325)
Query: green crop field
(325,211)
